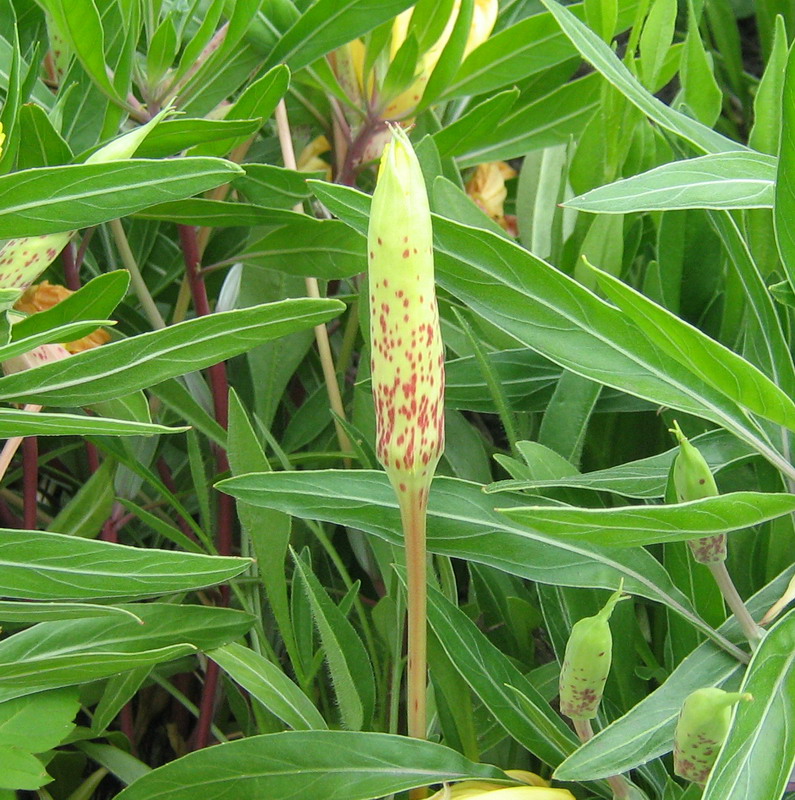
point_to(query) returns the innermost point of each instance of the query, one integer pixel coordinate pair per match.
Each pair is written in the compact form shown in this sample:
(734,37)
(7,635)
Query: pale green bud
(693,480)
(701,729)
(586,664)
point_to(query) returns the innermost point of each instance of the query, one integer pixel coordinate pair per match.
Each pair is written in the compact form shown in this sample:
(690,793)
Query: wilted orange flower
(45,295)
(487,188)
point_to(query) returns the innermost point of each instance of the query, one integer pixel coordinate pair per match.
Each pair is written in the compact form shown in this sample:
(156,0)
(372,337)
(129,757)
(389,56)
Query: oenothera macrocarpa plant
(613,261)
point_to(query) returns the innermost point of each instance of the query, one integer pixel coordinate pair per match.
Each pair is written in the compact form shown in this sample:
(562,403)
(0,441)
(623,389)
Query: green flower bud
(586,663)
(407,362)
(693,480)
(701,730)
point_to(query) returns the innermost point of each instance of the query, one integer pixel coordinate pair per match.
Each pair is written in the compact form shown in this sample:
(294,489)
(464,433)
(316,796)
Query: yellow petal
(484,17)
(487,188)
(2,138)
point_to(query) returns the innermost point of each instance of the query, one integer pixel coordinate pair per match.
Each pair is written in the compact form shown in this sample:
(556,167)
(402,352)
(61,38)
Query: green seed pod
(586,663)
(693,480)
(701,730)
(407,361)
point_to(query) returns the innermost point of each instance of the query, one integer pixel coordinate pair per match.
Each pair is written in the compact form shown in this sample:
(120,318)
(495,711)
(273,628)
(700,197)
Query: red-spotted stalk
(693,480)
(407,374)
(701,729)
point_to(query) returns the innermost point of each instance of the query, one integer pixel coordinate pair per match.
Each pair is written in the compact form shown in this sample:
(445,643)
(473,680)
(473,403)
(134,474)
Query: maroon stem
(168,479)
(30,481)
(127,724)
(356,151)
(219,387)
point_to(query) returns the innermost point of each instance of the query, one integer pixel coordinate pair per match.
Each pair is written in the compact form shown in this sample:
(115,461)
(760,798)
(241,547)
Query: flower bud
(407,361)
(586,664)
(693,480)
(701,730)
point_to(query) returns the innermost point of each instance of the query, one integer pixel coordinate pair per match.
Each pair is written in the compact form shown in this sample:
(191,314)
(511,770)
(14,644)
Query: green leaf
(272,186)
(784,208)
(81,25)
(656,39)
(542,308)
(15,422)
(97,299)
(173,135)
(25,611)
(38,723)
(347,764)
(266,682)
(462,523)
(700,91)
(545,121)
(496,681)
(595,51)
(328,24)
(52,566)
(646,731)
(349,664)
(53,654)
(213,213)
(635,526)
(44,146)
(20,770)
(744,769)
(721,180)
(645,478)
(122,367)
(721,368)
(468,130)
(55,199)
(313,248)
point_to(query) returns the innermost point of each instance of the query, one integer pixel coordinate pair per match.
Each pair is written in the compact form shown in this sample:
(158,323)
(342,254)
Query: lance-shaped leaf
(53,199)
(462,523)
(123,367)
(280,766)
(35,565)
(15,422)
(720,180)
(759,754)
(634,526)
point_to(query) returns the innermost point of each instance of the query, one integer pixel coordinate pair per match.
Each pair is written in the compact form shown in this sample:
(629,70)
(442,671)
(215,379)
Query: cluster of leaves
(562,382)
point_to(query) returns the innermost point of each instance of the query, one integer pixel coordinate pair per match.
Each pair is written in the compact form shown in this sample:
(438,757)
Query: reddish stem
(30,481)
(220,392)
(168,479)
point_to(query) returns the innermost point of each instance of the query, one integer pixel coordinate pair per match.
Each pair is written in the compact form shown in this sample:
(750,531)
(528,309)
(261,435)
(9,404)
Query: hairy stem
(617,783)
(726,585)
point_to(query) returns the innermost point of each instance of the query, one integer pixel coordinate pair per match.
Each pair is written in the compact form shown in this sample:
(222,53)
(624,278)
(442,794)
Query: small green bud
(693,480)
(701,730)
(586,664)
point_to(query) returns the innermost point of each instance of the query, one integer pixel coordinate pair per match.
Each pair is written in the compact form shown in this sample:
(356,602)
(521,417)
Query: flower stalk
(407,366)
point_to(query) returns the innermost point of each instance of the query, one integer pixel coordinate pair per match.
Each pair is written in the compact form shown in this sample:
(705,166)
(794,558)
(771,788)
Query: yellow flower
(309,159)
(2,138)
(348,61)
(487,188)
(44,296)
(534,788)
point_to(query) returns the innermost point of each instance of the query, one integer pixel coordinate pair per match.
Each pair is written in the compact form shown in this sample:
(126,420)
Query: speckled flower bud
(701,730)
(586,664)
(407,353)
(693,480)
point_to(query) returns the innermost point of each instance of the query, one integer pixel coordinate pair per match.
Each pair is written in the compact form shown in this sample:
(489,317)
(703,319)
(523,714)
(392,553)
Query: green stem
(413,517)
(138,283)
(726,585)
(617,783)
